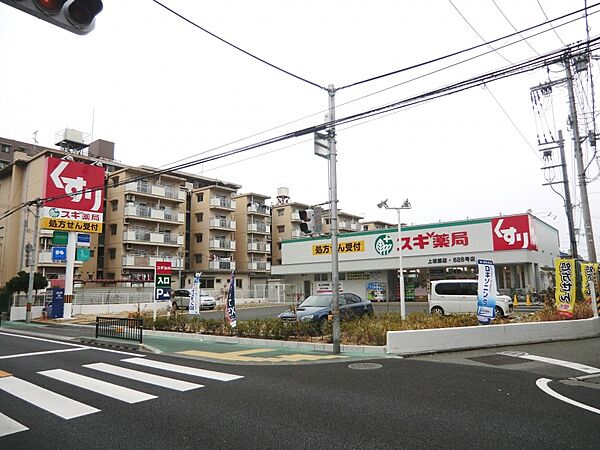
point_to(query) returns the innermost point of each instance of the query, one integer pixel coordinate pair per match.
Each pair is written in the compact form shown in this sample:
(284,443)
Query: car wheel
(499,312)
(437,311)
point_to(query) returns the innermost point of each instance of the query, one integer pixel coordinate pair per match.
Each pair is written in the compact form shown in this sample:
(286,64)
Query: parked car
(317,307)
(460,296)
(180,299)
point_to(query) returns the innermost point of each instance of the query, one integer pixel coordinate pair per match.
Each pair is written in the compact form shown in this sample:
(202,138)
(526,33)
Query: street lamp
(405,205)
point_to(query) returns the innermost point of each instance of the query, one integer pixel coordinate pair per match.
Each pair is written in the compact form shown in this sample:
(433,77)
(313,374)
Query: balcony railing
(46,258)
(133,260)
(259,227)
(220,202)
(221,265)
(147,212)
(156,189)
(259,247)
(222,223)
(221,244)
(259,265)
(151,237)
(346,224)
(259,209)
(296,215)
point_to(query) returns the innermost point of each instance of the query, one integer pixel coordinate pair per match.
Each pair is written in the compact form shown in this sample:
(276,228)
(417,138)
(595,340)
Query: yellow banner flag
(565,285)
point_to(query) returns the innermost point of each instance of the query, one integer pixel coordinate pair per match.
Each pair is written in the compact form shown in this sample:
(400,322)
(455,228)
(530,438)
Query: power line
(238,48)
(464,50)
(477,33)
(551,26)
(513,27)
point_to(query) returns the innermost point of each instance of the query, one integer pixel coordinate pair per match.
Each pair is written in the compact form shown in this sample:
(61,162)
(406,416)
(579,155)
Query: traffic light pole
(32,263)
(335,275)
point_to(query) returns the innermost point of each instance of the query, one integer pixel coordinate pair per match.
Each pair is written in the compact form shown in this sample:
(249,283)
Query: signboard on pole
(60,237)
(486,291)
(565,285)
(194,307)
(162,281)
(59,253)
(75,196)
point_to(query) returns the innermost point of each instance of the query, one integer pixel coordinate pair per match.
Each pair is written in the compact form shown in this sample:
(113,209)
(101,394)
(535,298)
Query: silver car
(181,299)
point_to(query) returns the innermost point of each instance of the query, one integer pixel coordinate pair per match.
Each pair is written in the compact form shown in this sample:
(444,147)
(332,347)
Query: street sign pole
(69,274)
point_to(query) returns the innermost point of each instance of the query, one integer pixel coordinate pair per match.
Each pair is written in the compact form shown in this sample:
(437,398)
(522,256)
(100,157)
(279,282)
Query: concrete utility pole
(568,203)
(335,275)
(33,261)
(585,206)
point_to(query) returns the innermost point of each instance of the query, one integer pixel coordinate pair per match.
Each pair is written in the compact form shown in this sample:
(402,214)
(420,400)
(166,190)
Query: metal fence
(119,328)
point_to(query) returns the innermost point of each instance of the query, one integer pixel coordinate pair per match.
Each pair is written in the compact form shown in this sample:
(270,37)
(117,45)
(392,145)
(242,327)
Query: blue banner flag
(486,291)
(230,311)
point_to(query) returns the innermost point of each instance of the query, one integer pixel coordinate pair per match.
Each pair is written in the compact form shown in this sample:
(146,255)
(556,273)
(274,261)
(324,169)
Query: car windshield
(317,300)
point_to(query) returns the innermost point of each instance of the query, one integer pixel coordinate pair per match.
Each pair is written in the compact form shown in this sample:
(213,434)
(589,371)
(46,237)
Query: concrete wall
(445,339)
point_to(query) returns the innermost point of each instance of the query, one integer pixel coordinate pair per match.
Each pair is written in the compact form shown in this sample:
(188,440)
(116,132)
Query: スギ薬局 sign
(75,196)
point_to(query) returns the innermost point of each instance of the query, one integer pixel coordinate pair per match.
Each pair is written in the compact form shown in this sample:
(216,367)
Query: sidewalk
(224,349)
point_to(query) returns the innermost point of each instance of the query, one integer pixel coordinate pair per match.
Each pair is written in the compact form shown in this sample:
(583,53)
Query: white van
(460,296)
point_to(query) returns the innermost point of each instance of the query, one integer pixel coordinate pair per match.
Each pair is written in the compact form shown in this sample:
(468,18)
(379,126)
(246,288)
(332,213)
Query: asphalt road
(460,400)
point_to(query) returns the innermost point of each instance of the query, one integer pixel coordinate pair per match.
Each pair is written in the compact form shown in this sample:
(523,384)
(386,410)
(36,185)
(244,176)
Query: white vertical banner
(486,291)
(194,307)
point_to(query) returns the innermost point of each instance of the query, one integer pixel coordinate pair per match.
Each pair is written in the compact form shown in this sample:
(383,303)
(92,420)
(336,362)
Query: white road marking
(101,387)
(10,426)
(47,352)
(184,369)
(556,362)
(157,380)
(52,402)
(110,350)
(542,383)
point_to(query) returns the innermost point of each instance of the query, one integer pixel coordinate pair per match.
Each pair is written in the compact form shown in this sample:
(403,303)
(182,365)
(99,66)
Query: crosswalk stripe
(101,387)
(157,380)
(10,426)
(183,369)
(57,404)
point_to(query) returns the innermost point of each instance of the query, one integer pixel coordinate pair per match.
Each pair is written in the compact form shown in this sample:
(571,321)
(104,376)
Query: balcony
(259,265)
(165,191)
(259,227)
(297,233)
(348,225)
(221,265)
(221,244)
(149,261)
(222,202)
(295,216)
(222,223)
(147,212)
(260,247)
(257,208)
(149,237)
(45,258)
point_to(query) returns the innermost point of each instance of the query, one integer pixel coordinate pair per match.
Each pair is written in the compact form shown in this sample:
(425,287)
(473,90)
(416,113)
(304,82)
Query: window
(113,229)
(200,197)
(279,245)
(114,204)
(321,277)
(5,148)
(238,283)
(199,217)
(351,298)
(115,181)
(280,212)
(91,253)
(280,228)
(198,258)
(112,253)
(199,237)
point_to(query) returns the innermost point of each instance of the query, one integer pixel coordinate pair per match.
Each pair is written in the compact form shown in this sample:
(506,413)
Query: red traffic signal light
(76,16)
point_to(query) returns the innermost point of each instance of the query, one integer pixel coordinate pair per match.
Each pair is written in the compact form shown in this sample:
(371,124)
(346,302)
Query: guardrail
(119,328)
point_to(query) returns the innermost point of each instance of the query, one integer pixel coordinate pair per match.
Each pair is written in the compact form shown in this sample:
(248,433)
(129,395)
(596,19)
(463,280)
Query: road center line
(556,362)
(542,383)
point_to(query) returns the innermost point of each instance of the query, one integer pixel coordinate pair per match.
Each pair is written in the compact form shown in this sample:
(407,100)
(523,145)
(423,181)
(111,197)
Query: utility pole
(335,276)
(568,203)
(585,206)
(32,262)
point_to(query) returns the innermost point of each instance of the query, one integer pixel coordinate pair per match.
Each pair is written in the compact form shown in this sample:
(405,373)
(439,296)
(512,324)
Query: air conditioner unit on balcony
(125,221)
(129,247)
(130,198)
(125,271)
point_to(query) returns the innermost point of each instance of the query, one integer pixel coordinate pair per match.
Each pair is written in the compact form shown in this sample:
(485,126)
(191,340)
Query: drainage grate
(498,360)
(364,366)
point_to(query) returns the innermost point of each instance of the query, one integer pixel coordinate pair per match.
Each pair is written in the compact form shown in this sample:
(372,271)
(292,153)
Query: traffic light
(307,217)
(76,16)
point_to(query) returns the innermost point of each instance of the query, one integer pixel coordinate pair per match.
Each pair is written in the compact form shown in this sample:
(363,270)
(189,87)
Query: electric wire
(555,32)
(238,48)
(513,27)
(431,61)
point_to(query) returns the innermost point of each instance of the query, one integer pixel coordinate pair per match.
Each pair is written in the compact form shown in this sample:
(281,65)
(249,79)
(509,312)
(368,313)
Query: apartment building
(285,225)
(144,223)
(376,225)
(347,223)
(253,249)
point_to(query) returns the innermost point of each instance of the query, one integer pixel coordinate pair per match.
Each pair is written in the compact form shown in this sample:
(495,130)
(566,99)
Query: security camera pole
(405,205)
